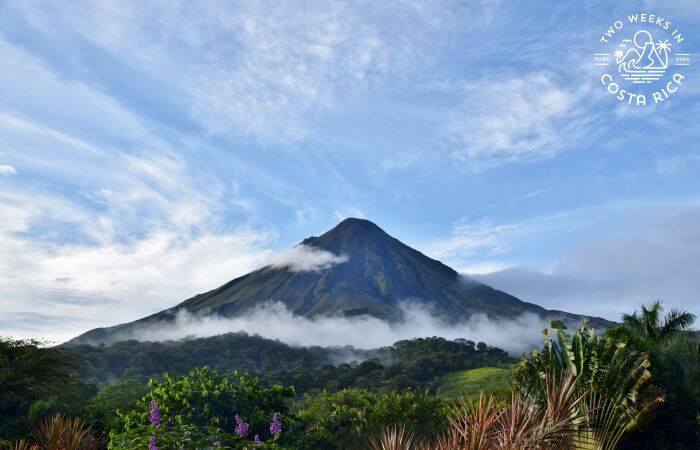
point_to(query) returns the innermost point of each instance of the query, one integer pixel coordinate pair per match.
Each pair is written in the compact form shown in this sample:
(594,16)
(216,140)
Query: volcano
(374,274)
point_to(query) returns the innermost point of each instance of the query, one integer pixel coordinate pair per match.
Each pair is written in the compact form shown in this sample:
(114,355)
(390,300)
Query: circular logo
(642,59)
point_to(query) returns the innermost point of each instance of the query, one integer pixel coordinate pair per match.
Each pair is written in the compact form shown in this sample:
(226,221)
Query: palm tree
(675,357)
(648,325)
(656,333)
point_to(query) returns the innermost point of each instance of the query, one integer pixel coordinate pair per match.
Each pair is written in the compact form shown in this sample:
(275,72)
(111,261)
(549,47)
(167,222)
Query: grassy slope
(472,382)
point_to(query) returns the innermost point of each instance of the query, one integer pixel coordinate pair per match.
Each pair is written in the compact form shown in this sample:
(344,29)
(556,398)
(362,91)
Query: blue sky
(153,150)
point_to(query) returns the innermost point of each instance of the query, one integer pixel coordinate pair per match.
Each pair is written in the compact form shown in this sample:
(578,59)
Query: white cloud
(483,267)
(640,255)
(468,238)
(7,170)
(296,59)
(73,113)
(274,321)
(526,197)
(515,118)
(133,228)
(110,179)
(348,213)
(152,240)
(112,283)
(262,69)
(103,271)
(302,258)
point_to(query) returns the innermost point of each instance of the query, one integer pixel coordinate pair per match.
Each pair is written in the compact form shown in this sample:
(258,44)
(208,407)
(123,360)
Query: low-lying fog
(274,321)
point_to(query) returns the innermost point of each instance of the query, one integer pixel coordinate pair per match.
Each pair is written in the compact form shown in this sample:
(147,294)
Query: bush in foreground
(202,410)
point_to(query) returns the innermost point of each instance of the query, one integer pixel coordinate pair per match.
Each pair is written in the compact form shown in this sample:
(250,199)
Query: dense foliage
(35,381)
(345,419)
(611,378)
(407,364)
(205,409)
(67,379)
(415,363)
(636,386)
(232,351)
(201,408)
(674,353)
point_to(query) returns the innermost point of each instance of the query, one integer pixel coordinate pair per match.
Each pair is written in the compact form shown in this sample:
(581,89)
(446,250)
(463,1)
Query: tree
(31,373)
(613,375)
(649,331)
(102,411)
(675,355)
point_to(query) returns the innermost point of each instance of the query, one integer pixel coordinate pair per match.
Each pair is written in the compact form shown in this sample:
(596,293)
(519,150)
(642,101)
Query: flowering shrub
(242,428)
(204,410)
(275,426)
(155,414)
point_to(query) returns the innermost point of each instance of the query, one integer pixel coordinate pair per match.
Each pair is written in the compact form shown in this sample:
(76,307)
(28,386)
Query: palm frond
(24,445)
(633,322)
(675,321)
(651,317)
(476,425)
(451,440)
(394,438)
(61,433)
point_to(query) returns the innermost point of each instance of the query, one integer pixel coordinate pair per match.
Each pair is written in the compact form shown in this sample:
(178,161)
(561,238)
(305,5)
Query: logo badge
(642,58)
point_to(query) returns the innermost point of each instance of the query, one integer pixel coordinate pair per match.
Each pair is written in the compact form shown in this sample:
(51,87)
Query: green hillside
(471,382)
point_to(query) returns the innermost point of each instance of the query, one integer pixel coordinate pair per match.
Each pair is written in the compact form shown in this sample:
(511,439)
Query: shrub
(615,377)
(59,433)
(203,408)
(348,418)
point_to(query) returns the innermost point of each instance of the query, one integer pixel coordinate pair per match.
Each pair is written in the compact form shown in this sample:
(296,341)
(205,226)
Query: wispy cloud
(153,139)
(525,197)
(274,321)
(302,258)
(109,221)
(349,212)
(111,282)
(293,60)
(7,170)
(274,63)
(468,238)
(514,118)
(35,324)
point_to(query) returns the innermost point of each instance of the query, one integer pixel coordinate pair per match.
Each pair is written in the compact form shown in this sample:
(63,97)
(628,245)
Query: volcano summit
(361,270)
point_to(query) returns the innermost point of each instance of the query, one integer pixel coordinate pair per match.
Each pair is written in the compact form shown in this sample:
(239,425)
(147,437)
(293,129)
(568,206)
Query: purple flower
(155,414)
(217,443)
(257,441)
(275,426)
(242,428)
(152,443)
